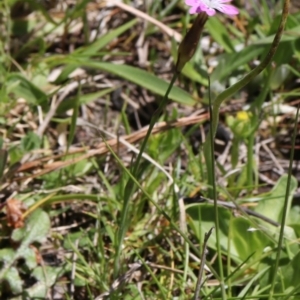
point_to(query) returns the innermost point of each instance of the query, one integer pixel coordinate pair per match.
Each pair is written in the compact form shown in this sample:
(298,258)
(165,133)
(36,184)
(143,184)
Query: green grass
(113,224)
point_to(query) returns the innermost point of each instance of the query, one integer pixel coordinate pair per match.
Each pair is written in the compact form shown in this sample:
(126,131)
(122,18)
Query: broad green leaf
(13,278)
(279,76)
(284,53)
(21,87)
(30,258)
(290,275)
(6,254)
(190,72)
(46,276)
(293,219)
(133,74)
(272,205)
(35,230)
(7,271)
(203,219)
(245,241)
(142,78)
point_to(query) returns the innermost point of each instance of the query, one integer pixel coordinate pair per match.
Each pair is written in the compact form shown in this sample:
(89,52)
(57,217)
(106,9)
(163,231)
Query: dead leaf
(38,255)
(14,213)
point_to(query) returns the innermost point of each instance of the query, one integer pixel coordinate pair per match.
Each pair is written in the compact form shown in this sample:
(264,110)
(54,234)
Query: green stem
(214,113)
(129,188)
(250,146)
(256,108)
(285,209)
(240,84)
(214,197)
(154,119)
(261,296)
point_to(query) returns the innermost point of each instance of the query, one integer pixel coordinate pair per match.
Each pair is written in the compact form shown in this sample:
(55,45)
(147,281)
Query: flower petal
(191,2)
(210,11)
(228,9)
(202,6)
(210,7)
(193,10)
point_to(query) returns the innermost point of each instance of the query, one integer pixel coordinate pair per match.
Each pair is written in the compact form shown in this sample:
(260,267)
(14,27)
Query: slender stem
(214,113)
(285,208)
(256,108)
(129,188)
(240,84)
(260,296)
(250,146)
(159,209)
(214,195)
(154,119)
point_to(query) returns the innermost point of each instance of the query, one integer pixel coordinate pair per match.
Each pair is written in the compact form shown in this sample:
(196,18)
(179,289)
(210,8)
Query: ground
(80,82)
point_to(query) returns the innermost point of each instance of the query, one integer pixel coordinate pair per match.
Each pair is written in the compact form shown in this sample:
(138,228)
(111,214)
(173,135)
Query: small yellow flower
(243,116)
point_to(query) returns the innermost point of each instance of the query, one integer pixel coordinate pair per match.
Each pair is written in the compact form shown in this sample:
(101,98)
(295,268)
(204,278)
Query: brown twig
(101,148)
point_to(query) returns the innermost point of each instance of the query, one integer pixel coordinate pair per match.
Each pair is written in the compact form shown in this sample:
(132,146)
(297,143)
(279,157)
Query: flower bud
(190,42)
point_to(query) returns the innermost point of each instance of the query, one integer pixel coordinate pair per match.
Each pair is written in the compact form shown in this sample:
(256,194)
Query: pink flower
(210,7)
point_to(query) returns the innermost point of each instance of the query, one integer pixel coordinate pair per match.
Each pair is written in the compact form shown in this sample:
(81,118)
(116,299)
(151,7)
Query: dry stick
(121,280)
(203,259)
(48,117)
(101,148)
(43,126)
(132,148)
(232,205)
(169,31)
(73,271)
